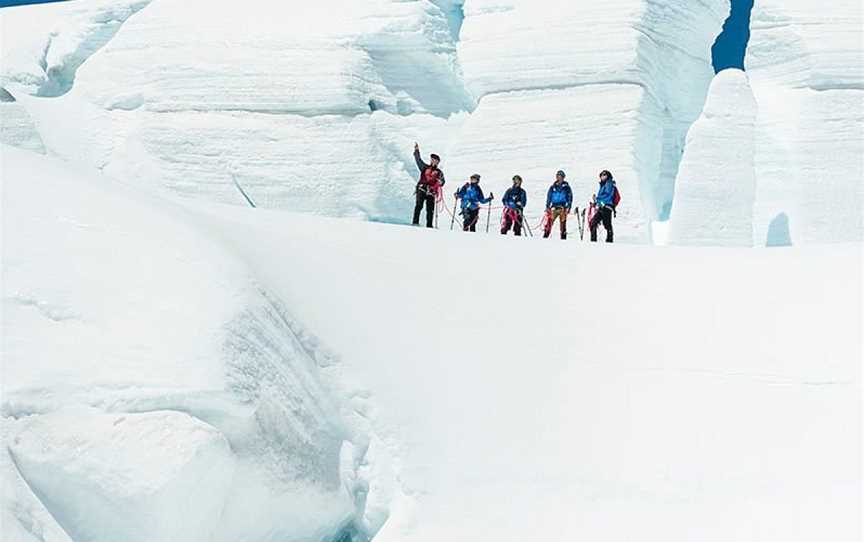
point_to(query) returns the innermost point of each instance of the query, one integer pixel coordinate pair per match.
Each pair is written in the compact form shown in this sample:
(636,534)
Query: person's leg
(507,223)
(466,220)
(430,210)
(563,223)
(517,225)
(475,216)
(547,228)
(607,223)
(556,215)
(418,206)
(592,225)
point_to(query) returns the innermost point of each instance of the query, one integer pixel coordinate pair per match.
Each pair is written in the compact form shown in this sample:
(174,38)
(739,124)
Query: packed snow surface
(206,372)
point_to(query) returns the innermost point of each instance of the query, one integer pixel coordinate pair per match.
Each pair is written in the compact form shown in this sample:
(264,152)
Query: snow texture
(129,334)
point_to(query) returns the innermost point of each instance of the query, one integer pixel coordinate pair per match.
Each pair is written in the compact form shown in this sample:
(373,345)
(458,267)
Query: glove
(491,195)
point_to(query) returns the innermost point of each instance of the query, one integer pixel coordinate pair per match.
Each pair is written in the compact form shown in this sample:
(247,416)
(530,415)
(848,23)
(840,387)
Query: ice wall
(582,88)
(307,112)
(806,66)
(716,183)
(319,113)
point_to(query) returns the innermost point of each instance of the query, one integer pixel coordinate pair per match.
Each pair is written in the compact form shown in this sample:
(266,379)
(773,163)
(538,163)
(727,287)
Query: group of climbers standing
(559,201)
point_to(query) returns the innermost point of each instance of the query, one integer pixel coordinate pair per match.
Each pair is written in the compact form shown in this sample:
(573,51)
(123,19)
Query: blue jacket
(606,193)
(515,198)
(472,196)
(559,195)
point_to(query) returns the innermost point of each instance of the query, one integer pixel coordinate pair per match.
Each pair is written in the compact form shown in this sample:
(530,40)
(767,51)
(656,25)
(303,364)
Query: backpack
(616,197)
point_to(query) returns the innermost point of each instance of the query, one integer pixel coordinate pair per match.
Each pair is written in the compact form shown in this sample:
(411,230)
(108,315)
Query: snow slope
(325,378)
(152,387)
(533,391)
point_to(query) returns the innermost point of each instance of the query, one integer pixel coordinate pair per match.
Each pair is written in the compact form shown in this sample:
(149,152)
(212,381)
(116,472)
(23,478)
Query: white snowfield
(315,108)
(209,372)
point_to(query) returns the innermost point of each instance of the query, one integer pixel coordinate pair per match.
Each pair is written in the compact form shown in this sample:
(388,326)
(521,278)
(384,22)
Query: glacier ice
(118,304)
(805,66)
(154,105)
(716,184)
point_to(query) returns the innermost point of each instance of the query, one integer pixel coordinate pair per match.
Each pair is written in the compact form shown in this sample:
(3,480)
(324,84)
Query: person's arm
(441,176)
(460,192)
(569,197)
(420,163)
(549,198)
(524,202)
(484,199)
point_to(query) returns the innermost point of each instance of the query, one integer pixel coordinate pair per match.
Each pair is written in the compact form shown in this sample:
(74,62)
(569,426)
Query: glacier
(177,366)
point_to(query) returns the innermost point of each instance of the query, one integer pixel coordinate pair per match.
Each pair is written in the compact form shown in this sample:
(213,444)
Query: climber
(558,202)
(607,200)
(514,201)
(430,183)
(472,197)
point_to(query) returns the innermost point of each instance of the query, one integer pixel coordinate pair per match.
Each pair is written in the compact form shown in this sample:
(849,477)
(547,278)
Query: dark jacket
(472,196)
(559,195)
(515,198)
(431,178)
(606,193)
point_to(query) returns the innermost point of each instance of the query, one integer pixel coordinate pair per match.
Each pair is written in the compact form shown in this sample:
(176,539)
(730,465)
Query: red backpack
(616,197)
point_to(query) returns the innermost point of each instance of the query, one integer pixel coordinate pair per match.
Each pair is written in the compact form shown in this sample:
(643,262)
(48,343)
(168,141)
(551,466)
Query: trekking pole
(453,215)
(488,216)
(525,223)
